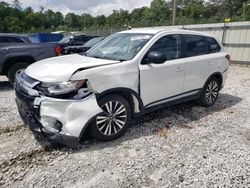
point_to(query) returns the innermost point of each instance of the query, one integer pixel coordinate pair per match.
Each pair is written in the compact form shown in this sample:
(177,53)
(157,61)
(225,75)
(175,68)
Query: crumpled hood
(60,69)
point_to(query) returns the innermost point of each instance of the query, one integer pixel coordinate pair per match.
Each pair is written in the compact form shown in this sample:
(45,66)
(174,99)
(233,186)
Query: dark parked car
(13,38)
(14,57)
(73,40)
(82,48)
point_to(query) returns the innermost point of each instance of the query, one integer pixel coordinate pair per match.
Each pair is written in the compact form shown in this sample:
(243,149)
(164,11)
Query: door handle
(178,69)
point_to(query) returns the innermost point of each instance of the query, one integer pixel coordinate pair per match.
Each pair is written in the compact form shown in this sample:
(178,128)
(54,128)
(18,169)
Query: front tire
(210,92)
(113,121)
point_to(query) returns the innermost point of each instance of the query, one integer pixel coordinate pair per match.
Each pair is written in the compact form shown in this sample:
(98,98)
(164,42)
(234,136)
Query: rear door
(199,64)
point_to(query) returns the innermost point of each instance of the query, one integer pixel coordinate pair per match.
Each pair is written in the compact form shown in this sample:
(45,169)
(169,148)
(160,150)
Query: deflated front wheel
(114,120)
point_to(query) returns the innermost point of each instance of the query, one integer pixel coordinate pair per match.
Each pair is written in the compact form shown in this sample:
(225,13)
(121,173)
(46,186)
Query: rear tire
(114,121)
(210,92)
(13,70)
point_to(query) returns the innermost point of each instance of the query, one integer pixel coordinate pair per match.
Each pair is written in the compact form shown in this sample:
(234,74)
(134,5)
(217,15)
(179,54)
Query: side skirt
(147,110)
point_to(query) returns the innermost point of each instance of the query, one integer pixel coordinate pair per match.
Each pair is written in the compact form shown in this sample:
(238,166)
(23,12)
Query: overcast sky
(93,7)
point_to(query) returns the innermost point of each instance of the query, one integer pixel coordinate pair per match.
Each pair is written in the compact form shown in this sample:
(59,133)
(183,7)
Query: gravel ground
(182,146)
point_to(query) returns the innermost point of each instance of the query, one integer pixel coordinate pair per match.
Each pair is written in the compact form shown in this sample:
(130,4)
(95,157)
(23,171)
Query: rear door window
(10,40)
(14,40)
(196,45)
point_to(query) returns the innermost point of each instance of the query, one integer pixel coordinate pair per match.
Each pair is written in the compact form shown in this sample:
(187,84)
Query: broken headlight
(63,87)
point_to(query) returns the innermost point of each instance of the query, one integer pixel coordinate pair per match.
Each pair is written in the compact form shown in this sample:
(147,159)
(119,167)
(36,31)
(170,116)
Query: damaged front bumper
(60,120)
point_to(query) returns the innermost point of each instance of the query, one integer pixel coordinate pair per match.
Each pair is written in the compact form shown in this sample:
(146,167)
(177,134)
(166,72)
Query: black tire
(113,123)
(210,92)
(13,70)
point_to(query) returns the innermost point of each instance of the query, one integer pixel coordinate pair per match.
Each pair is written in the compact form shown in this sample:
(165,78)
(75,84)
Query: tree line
(15,18)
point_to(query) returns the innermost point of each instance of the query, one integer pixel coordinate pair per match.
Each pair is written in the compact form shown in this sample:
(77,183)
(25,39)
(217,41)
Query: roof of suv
(11,35)
(158,30)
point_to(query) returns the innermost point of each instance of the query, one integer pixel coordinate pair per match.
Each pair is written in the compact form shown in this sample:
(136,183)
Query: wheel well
(218,76)
(15,60)
(125,94)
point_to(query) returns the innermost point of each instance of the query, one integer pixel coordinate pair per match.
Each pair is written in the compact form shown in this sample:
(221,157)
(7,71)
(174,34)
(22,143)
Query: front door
(163,82)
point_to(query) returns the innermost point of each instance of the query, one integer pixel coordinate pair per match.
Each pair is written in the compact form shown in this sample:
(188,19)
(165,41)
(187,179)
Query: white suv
(130,73)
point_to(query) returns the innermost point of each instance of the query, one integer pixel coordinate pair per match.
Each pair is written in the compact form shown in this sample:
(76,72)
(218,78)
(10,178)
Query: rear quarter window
(213,45)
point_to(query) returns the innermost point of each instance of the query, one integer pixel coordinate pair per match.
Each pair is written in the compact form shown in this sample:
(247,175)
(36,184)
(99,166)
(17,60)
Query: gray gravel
(182,146)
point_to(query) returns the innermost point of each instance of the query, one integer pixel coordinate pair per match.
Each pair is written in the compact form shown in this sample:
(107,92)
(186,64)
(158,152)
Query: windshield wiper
(98,57)
(121,60)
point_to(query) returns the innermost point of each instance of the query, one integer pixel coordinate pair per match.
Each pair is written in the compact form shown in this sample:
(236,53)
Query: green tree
(58,19)
(13,18)
(86,21)
(12,24)
(100,20)
(195,10)
(17,5)
(160,11)
(72,21)
(28,10)
(33,19)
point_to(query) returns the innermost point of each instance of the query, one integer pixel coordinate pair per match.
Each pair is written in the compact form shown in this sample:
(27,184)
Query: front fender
(103,78)
(74,115)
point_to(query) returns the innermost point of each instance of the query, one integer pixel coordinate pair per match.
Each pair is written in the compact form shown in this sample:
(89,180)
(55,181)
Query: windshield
(119,46)
(66,39)
(93,41)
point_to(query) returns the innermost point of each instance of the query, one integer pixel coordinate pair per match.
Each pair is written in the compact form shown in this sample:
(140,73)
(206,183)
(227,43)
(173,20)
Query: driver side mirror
(154,57)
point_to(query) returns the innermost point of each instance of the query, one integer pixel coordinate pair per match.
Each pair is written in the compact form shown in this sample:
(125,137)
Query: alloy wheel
(113,119)
(211,92)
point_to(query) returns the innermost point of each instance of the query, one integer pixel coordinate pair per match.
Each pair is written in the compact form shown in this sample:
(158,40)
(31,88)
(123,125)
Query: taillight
(228,57)
(58,50)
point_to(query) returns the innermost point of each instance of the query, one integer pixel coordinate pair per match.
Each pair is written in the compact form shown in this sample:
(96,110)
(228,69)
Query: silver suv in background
(128,74)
